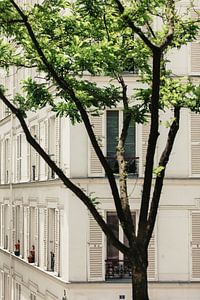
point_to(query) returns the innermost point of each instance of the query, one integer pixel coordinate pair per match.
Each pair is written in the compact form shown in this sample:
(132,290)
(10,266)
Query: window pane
(112,132)
(112,221)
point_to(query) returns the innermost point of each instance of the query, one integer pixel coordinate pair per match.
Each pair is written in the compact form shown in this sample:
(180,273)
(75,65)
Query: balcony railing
(117,269)
(132,165)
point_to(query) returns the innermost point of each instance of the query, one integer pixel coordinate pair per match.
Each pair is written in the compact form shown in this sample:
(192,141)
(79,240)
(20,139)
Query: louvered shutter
(28,161)
(36,235)
(36,153)
(145,137)
(46,146)
(13,227)
(57,138)
(2,225)
(57,241)
(28,231)
(45,237)
(195,144)
(151,271)
(95,251)
(95,167)
(21,230)
(195,245)
(195,50)
(42,164)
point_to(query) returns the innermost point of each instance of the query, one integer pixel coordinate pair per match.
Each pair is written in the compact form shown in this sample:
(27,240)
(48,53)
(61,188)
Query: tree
(62,40)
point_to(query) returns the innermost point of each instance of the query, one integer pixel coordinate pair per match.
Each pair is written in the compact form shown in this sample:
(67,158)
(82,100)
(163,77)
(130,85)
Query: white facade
(69,248)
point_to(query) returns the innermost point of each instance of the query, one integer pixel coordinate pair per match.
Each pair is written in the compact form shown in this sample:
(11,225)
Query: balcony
(132,164)
(117,269)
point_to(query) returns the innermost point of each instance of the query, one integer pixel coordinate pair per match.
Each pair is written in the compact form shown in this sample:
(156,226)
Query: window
(116,264)
(33,234)
(5,225)
(52,240)
(19,157)
(17,230)
(114,122)
(17,291)
(33,156)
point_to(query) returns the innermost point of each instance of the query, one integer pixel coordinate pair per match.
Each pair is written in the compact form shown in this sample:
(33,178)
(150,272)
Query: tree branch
(135,29)
(148,174)
(65,86)
(160,177)
(67,182)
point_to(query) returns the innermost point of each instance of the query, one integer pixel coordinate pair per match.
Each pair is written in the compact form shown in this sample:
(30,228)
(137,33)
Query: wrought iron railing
(132,165)
(117,269)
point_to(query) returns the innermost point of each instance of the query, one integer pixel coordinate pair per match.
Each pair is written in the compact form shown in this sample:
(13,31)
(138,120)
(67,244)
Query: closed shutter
(95,251)
(195,144)
(95,167)
(195,50)
(45,237)
(42,164)
(195,245)
(57,241)
(36,235)
(145,137)
(151,271)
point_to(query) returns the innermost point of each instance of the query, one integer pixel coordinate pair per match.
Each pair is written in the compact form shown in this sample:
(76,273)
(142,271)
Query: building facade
(50,246)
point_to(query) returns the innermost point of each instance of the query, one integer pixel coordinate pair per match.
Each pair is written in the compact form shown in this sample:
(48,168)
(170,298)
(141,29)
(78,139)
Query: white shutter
(28,231)
(95,251)
(13,227)
(34,156)
(2,225)
(195,245)
(36,153)
(95,167)
(36,235)
(45,237)
(57,241)
(57,138)
(46,145)
(151,271)
(42,164)
(21,230)
(28,161)
(145,137)
(195,144)
(195,50)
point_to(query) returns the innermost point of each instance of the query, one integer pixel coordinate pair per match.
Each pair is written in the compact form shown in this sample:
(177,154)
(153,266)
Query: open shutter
(46,145)
(57,138)
(195,245)
(45,237)
(151,272)
(145,137)
(28,230)
(57,241)
(28,161)
(36,235)
(195,144)
(195,50)
(13,227)
(2,225)
(95,167)
(21,230)
(95,251)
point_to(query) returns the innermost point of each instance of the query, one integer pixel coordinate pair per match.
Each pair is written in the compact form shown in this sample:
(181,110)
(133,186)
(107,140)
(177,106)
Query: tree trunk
(139,283)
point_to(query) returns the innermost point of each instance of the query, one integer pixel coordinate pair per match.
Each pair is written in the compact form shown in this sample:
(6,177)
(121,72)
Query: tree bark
(139,282)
